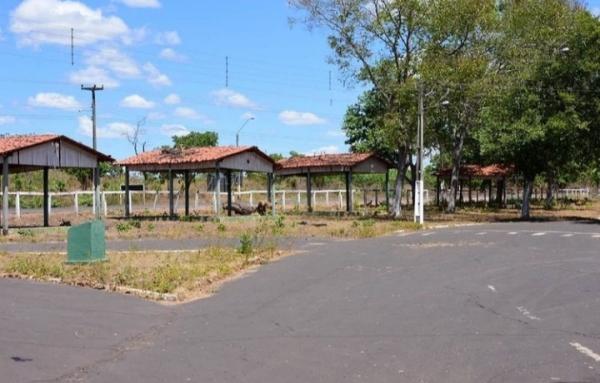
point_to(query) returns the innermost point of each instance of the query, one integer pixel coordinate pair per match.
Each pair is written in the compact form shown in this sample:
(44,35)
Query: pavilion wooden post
(218,191)
(5,196)
(349,191)
(270,188)
(45,197)
(470,190)
(229,196)
(490,192)
(171,200)
(127,193)
(461,186)
(272,191)
(309,191)
(387,189)
(186,191)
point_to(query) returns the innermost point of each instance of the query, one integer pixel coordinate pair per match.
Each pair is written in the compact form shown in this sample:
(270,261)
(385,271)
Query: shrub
(246,245)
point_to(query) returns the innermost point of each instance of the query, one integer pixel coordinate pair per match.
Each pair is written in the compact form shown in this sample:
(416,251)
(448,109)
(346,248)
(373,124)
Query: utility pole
(93,89)
(419,184)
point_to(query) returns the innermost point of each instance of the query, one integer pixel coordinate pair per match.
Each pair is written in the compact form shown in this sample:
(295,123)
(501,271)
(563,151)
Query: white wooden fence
(285,199)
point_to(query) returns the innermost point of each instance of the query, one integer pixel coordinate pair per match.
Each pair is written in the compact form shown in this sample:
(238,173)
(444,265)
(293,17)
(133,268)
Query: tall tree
(377,43)
(457,70)
(541,121)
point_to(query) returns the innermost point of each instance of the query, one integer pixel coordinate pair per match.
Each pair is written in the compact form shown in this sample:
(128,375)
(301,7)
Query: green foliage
(196,139)
(246,244)
(221,228)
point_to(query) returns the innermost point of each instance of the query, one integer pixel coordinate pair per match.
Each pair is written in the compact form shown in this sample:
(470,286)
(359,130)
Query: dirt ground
(365,223)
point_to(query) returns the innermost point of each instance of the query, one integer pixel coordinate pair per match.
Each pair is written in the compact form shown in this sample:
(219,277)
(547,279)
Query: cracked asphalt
(514,302)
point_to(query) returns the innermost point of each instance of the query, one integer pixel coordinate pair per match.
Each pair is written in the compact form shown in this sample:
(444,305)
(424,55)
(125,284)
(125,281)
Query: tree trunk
(527,190)
(499,192)
(459,140)
(401,169)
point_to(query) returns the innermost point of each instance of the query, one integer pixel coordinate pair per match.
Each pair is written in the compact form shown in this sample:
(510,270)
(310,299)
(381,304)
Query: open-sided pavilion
(334,164)
(24,153)
(497,173)
(216,160)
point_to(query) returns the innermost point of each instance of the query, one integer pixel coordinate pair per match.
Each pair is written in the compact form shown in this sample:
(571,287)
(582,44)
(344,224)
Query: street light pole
(96,170)
(237,143)
(419,184)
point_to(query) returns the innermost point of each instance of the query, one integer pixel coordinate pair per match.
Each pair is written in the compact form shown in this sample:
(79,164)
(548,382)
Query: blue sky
(165,60)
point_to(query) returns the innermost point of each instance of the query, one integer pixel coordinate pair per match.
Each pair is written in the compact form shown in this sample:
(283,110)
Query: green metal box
(86,243)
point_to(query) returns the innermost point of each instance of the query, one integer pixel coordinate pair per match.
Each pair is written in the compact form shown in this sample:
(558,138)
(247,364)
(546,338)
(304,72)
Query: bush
(246,245)
(123,227)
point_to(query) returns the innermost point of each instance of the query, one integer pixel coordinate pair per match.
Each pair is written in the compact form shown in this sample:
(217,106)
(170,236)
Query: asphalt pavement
(512,302)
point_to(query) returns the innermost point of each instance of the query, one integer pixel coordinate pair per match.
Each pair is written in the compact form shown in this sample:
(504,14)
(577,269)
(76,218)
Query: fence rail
(151,200)
(285,199)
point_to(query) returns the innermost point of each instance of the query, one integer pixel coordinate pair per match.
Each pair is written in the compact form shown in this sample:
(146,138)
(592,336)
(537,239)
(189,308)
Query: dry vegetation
(176,276)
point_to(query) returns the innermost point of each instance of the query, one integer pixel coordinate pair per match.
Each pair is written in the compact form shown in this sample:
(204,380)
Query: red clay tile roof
(9,144)
(13,143)
(188,156)
(324,160)
(479,171)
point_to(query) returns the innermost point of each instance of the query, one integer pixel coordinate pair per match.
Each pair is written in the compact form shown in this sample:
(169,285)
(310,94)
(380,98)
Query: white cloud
(172,55)
(174,130)
(112,130)
(119,63)
(292,117)
(5,120)
(38,22)
(168,38)
(54,100)
(141,3)
(137,102)
(187,113)
(155,77)
(331,149)
(231,98)
(172,99)
(93,75)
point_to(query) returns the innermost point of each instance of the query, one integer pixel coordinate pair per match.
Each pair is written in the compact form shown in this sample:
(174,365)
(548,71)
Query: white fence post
(18,204)
(130,202)
(196,200)
(298,200)
(340,200)
(105,205)
(251,199)
(76,203)
(49,204)
(327,198)
(283,200)
(155,200)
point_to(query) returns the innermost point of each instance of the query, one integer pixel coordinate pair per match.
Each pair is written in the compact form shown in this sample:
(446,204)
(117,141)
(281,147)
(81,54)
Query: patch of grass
(26,233)
(184,274)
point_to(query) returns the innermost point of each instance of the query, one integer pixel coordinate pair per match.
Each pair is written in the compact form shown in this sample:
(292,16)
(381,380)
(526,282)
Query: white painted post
(283,200)
(76,203)
(251,199)
(196,196)
(215,202)
(18,204)
(327,198)
(314,199)
(155,200)
(93,205)
(49,204)
(105,205)
(340,200)
(298,200)
(130,202)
